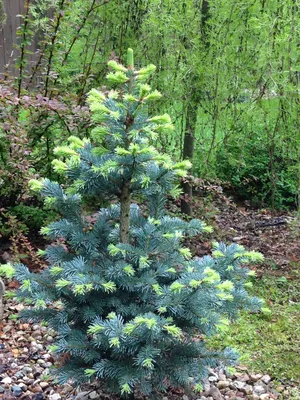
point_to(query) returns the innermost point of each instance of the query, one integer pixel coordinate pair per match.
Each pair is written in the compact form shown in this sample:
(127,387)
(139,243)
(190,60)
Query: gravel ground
(25,371)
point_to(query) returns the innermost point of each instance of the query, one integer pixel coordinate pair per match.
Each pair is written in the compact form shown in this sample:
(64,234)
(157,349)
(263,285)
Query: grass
(270,343)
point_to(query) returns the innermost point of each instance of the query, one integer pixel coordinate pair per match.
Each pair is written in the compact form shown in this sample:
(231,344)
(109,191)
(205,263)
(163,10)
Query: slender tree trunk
(2,15)
(23,47)
(52,45)
(125,200)
(188,154)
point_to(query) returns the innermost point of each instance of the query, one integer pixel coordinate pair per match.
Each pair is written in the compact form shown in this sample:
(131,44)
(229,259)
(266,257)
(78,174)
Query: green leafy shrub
(32,216)
(130,306)
(246,165)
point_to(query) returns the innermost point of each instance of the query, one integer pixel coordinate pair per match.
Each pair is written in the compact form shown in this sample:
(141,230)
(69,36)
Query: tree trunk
(125,199)
(188,152)
(2,15)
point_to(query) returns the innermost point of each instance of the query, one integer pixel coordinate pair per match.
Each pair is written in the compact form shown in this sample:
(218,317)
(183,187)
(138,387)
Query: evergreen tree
(130,306)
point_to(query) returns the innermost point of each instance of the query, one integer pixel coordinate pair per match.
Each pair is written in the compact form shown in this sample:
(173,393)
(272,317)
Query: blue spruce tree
(130,306)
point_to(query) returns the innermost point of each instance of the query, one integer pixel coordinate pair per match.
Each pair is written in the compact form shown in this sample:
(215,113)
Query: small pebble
(239,385)
(16,391)
(223,384)
(244,378)
(38,396)
(48,364)
(264,396)
(93,395)
(255,377)
(35,327)
(27,369)
(259,389)
(66,388)
(266,379)
(23,386)
(54,396)
(6,381)
(44,385)
(36,388)
(247,389)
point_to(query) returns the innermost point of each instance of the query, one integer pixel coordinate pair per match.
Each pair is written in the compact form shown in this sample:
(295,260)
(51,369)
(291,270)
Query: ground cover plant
(269,343)
(130,306)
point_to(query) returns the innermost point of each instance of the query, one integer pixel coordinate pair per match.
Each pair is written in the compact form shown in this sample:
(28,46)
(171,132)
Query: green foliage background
(228,70)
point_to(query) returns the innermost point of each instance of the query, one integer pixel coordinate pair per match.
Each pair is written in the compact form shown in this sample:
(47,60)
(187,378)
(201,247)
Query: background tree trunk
(188,154)
(2,14)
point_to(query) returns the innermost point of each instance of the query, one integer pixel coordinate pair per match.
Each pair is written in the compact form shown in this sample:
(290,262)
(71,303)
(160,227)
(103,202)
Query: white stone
(266,379)
(259,389)
(264,396)
(54,396)
(23,386)
(35,327)
(239,385)
(255,396)
(6,381)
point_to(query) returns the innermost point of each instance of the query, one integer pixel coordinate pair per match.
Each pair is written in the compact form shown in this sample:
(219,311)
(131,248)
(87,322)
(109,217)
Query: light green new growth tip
(130,62)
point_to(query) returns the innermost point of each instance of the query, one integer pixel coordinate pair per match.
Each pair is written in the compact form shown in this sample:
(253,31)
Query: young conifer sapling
(130,305)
